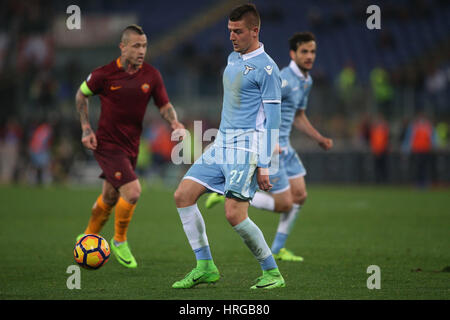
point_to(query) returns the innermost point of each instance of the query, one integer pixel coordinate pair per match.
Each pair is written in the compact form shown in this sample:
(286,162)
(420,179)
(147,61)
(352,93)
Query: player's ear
(254,31)
(292,54)
(121,46)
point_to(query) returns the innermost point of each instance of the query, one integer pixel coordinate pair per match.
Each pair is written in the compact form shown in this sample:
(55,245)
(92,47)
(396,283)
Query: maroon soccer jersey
(124,98)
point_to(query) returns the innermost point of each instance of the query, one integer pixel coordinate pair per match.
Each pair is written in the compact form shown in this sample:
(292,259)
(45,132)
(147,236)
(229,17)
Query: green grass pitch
(340,232)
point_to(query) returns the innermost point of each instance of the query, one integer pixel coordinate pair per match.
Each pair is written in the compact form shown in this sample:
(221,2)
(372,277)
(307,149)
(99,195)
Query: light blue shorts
(226,171)
(288,166)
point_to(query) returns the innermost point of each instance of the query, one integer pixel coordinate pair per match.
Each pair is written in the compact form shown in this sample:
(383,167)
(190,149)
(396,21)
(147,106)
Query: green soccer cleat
(123,254)
(213,199)
(198,276)
(270,279)
(286,255)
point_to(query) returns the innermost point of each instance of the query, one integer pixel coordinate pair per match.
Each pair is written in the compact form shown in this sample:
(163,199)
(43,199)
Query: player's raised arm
(88,137)
(301,122)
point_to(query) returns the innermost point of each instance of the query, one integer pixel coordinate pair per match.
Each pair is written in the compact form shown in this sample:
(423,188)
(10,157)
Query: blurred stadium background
(369,87)
(368,84)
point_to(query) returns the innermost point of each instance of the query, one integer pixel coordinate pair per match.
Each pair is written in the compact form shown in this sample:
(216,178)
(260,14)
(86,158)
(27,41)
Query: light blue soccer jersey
(249,81)
(295,90)
(251,106)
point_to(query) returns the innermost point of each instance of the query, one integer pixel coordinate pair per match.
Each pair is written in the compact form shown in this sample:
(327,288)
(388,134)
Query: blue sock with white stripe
(203,253)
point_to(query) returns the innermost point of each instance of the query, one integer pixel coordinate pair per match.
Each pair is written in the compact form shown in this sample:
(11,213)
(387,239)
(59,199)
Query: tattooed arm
(169,114)
(88,136)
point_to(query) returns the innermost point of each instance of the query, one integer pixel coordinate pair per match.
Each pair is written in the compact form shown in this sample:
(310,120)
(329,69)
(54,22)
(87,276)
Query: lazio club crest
(248,69)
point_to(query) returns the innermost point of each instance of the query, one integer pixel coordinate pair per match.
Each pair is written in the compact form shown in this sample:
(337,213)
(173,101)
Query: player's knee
(131,191)
(235,213)
(284,206)
(181,197)
(178,197)
(230,212)
(283,202)
(232,216)
(110,198)
(300,197)
(132,195)
(110,201)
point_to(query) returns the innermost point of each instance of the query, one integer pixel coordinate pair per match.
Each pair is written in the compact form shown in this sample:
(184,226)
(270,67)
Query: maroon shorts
(118,167)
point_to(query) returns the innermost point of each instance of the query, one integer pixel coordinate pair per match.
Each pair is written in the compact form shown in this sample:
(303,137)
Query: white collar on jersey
(294,67)
(254,53)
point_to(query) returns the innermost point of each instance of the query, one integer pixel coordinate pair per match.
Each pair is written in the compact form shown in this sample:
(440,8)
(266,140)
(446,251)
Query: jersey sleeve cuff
(271,101)
(85,89)
(262,165)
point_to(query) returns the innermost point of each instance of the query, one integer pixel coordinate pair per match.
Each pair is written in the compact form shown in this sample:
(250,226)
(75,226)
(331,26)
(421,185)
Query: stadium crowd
(39,129)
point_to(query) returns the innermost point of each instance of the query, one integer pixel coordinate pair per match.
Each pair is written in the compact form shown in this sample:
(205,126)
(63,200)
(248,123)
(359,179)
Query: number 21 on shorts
(234,173)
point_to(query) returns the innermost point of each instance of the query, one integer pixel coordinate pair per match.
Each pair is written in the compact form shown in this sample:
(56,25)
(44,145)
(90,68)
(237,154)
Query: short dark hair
(246,11)
(135,28)
(132,28)
(298,38)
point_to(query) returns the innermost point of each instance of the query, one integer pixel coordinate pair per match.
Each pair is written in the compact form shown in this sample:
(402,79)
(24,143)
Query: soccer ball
(91,251)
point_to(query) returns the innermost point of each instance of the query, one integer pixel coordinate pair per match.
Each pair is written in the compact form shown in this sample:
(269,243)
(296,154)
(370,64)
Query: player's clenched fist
(89,139)
(262,177)
(179,132)
(326,143)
